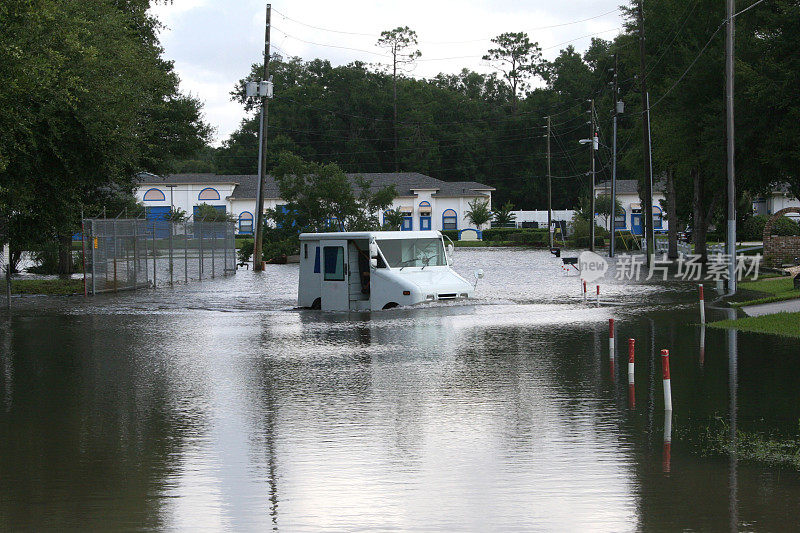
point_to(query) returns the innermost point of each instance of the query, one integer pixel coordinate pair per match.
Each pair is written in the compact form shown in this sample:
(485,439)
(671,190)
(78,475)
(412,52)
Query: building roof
(405,183)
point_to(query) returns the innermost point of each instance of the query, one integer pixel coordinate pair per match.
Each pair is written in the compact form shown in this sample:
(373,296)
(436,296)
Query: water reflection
(502,415)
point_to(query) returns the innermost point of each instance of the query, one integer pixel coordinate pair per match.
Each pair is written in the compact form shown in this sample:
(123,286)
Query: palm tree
(479,212)
(503,217)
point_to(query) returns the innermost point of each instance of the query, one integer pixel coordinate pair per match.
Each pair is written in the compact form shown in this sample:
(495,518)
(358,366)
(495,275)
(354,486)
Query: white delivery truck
(374,270)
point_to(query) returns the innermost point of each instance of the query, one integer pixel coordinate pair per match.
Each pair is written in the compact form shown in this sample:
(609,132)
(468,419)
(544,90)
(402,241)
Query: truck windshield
(401,253)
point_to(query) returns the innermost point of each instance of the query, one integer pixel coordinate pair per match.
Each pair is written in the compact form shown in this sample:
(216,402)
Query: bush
(785,226)
(46,259)
(752,229)
(452,233)
(270,251)
(505,234)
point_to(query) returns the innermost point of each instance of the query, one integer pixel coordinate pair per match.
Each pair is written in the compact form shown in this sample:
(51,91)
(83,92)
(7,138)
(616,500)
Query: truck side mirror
(373,250)
(450,250)
(373,262)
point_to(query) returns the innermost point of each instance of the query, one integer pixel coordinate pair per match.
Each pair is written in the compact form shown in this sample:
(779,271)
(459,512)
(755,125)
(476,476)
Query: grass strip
(784,324)
(47,286)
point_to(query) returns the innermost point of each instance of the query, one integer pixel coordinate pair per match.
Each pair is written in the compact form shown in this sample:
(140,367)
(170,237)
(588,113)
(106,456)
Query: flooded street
(217,406)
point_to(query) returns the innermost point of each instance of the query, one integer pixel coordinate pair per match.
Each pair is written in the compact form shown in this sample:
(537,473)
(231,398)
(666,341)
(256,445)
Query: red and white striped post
(612,352)
(666,459)
(631,386)
(702,345)
(598,296)
(702,306)
(667,384)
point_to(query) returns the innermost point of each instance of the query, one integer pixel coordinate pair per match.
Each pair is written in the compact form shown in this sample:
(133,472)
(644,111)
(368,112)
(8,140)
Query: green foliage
(207,213)
(177,215)
(45,259)
(396,42)
(602,207)
(47,286)
(452,233)
(784,324)
(392,220)
(580,236)
(87,101)
(317,195)
(518,59)
(478,212)
(785,226)
(507,234)
(504,216)
(752,229)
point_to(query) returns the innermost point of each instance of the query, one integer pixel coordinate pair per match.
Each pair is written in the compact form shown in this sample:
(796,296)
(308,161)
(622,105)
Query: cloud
(215,42)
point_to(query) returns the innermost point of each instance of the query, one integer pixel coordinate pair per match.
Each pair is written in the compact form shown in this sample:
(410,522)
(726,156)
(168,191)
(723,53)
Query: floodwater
(217,406)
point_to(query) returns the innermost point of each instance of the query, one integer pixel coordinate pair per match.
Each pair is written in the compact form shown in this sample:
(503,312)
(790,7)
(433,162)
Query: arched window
(154,195)
(424,216)
(449,219)
(246,222)
(209,193)
(622,217)
(657,218)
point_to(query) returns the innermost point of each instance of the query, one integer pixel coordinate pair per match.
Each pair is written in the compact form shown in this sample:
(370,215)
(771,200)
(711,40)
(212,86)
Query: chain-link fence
(129,254)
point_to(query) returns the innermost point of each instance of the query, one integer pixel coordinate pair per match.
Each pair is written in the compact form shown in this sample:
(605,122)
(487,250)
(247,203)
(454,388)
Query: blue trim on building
(479,232)
(250,220)
(449,219)
(408,224)
(159,191)
(200,195)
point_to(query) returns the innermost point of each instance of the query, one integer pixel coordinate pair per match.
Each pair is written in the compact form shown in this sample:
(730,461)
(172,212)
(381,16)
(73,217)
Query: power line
(376,36)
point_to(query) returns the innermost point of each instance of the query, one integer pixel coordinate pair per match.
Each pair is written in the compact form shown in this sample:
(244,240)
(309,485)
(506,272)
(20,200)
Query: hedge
(516,234)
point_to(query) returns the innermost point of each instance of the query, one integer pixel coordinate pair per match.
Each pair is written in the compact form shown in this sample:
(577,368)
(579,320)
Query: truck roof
(344,235)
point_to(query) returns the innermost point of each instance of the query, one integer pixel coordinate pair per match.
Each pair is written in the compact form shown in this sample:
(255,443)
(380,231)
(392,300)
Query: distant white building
(630,219)
(779,198)
(427,203)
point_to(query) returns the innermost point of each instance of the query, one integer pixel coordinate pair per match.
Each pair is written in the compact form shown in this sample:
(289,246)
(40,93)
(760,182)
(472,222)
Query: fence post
(114,239)
(94,257)
(200,270)
(135,257)
(171,226)
(185,252)
(154,254)
(213,250)
(83,251)
(225,248)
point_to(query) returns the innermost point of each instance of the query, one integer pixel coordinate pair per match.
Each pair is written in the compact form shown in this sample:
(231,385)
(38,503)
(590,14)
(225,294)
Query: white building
(428,203)
(630,219)
(779,198)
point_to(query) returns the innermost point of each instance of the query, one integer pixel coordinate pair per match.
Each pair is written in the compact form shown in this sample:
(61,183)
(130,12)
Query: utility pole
(549,189)
(592,148)
(729,71)
(648,191)
(612,246)
(262,160)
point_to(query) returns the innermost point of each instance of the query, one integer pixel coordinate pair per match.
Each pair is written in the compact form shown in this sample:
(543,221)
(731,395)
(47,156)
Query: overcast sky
(214,42)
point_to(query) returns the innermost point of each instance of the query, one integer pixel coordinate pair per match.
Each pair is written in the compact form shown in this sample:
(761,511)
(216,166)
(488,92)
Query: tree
(504,217)
(602,206)
(208,213)
(70,137)
(318,194)
(518,59)
(478,212)
(392,219)
(398,41)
